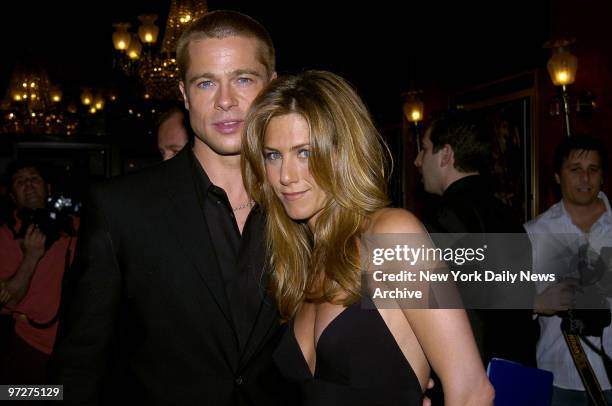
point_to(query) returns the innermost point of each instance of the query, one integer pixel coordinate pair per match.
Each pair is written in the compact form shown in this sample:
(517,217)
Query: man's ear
(447,155)
(183,92)
(557,178)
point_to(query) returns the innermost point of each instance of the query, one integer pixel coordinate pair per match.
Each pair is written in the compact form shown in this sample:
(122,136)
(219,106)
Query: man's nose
(226,99)
(418,160)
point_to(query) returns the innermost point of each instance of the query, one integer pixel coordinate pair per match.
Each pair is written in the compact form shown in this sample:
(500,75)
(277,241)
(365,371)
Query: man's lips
(228,126)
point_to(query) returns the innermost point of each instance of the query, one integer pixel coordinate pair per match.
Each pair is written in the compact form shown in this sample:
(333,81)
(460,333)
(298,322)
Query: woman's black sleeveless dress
(358,363)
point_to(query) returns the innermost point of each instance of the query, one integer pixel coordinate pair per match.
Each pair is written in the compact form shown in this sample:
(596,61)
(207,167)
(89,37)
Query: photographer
(571,240)
(36,247)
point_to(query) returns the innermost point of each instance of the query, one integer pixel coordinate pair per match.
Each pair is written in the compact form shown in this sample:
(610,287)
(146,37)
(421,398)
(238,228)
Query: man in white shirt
(580,223)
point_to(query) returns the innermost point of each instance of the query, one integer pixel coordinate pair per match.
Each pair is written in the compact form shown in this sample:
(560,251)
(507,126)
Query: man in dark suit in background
(455,149)
(168,286)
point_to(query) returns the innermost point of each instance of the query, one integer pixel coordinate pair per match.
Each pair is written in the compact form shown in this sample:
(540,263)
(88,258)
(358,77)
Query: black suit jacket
(469,206)
(146,315)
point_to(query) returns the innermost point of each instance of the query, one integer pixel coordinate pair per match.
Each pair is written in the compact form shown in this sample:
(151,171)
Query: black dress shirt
(236,254)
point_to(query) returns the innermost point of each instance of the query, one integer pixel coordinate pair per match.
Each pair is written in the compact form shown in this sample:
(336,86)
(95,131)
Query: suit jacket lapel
(255,280)
(186,218)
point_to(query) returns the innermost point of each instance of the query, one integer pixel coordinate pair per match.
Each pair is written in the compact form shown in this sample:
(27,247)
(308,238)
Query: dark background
(383,47)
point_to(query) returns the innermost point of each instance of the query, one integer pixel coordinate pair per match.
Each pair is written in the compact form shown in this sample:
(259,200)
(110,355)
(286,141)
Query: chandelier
(155,67)
(33,105)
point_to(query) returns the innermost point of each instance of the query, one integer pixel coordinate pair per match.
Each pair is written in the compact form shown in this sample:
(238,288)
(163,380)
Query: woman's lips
(293,195)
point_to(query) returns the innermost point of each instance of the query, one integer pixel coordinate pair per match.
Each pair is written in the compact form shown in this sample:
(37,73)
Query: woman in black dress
(314,161)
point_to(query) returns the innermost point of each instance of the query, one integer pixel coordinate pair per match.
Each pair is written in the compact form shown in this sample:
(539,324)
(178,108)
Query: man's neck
(584,216)
(222,170)
(455,176)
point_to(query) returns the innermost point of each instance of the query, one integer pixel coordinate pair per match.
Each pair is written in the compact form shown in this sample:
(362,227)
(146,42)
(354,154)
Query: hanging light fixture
(155,66)
(148,31)
(32,104)
(121,36)
(86,97)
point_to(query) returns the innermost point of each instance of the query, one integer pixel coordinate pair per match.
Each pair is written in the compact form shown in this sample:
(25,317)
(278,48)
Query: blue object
(518,385)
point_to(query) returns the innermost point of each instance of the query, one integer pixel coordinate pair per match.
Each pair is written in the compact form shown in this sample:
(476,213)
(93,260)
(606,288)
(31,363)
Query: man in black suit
(456,147)
(167,300)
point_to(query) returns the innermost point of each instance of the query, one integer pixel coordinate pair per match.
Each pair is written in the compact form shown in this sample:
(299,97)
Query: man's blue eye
(205,84)
(245,81)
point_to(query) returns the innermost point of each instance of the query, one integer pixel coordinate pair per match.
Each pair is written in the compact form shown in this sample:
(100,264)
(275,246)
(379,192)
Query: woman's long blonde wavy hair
(347,160)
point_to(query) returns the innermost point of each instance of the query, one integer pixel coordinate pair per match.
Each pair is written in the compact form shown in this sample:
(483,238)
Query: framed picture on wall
(510,104)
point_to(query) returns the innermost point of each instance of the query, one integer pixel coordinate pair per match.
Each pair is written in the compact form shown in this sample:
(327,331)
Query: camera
(591,312)
(52,220)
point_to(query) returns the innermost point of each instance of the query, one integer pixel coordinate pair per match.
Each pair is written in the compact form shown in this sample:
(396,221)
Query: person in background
(172,134)
(456,150)
(35,253)
(579,224)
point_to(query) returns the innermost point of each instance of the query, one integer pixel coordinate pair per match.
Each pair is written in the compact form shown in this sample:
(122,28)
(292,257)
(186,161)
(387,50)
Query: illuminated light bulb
(87,101)
(99,105)
(11,116)
(562,77)
(56,98)
(33,114)
(25,84)
(17,97)
(92,110)
(32,84)
(416,115)
(148,38)
(146,96)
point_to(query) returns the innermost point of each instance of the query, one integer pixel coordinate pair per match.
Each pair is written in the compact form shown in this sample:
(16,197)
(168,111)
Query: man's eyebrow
(253,72)
(204,75)
(237,72)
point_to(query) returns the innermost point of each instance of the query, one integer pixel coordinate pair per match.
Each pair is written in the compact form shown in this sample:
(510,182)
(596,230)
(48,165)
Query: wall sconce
(414,111)
(562,67)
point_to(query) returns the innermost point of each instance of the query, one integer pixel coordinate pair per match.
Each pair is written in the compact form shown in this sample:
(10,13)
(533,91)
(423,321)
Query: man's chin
(218,148)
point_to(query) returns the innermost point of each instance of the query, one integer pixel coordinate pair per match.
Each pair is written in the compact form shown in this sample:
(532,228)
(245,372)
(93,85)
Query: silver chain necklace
(250,203)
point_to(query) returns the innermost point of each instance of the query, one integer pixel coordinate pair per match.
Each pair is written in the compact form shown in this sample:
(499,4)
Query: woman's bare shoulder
(392,220)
